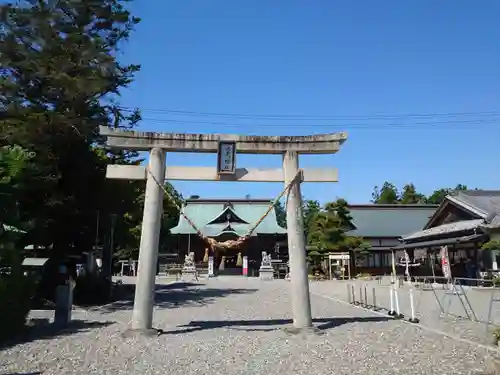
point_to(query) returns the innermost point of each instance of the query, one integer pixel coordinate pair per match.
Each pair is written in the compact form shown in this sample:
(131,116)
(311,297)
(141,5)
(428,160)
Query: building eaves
(445,229)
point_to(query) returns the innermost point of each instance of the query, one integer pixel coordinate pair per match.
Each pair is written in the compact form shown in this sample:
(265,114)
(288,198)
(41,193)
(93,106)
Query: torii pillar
(142,315)
(301,303)
(160,143)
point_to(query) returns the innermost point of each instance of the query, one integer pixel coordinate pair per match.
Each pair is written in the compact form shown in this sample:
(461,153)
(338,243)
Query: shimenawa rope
(229,244)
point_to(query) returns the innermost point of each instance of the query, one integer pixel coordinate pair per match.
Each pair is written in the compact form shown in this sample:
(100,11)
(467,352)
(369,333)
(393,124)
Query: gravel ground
(427,308)
(234,326)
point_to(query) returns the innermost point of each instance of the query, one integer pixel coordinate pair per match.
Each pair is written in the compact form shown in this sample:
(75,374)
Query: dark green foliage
(16,293)
(328,231)
(438,195)
(90,290)
(280,214)
(389,194)
(411,196)
(59,81)
(310,209)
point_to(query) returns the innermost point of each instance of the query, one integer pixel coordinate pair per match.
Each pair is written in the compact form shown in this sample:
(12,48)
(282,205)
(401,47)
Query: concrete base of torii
(159,143)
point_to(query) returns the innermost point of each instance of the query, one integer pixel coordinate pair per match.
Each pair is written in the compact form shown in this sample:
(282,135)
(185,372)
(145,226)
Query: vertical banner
(393,261)
(407,267)
(245,266)
(445,262)
(210,266)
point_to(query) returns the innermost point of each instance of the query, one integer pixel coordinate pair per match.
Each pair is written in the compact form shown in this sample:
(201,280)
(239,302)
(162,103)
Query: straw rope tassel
(229,244)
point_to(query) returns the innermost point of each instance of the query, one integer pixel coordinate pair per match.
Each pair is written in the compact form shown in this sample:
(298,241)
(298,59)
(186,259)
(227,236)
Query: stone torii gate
(227,146)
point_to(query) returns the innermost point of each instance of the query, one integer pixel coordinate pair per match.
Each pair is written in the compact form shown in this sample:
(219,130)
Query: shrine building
(223,220)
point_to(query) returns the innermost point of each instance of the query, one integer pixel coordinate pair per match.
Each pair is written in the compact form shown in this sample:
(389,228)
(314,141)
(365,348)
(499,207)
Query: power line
(345,125)
(282,117)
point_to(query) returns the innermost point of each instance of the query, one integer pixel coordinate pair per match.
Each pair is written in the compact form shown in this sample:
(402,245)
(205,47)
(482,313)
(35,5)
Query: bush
(496,336)
(496,281)
(364,276)
(91,290)
(16,294)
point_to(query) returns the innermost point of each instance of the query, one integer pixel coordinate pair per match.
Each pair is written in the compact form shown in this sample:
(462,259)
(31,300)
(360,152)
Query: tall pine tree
(59,80)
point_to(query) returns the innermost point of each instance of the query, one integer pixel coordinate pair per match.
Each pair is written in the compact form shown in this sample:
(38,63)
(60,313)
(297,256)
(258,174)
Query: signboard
(339,256)
(445,262)
(226,158)
(210,266)
(245,266)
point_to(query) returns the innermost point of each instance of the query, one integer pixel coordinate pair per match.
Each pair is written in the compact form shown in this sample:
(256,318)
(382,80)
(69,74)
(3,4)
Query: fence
(460,306)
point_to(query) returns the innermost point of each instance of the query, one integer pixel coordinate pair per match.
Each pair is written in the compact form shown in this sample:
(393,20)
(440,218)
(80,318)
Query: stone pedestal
(64,305)
(189,274)
(266,273)
(211,266)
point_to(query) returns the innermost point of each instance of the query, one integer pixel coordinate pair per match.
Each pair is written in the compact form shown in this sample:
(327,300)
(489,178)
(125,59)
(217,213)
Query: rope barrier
(229,244)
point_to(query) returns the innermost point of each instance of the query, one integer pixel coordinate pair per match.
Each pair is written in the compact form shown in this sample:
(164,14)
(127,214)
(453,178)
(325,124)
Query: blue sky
(393,74)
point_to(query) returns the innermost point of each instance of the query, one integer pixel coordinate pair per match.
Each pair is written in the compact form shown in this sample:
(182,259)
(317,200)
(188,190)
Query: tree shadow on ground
(321,324)
(26,373)
(174,295)
(45,331)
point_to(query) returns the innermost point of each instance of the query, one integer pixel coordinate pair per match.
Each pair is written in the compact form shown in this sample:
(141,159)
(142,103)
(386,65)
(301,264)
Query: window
(386,260)
(371,260)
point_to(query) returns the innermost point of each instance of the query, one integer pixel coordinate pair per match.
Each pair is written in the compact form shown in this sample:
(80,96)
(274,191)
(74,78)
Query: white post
(412,307)
(393,260)
(301,303)
(142,315)
(391,295)
(494,264)
(396,301)
(211,266)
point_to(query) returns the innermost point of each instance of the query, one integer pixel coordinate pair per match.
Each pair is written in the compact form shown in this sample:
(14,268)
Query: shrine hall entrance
(226,220)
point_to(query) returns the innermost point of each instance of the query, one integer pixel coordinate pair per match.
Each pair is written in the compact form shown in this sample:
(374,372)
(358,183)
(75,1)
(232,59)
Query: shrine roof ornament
(227,216)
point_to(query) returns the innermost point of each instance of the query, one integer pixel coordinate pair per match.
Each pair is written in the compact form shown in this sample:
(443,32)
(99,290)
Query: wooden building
(223,220)
(382,226)
(464,221)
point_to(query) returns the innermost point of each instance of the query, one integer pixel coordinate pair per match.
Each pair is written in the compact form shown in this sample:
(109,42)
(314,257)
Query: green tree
(60,79)
(13,163)
(329,231)
(15,289)
(387,194)
(411,196)
(340,208)
(127,245)
(279,209)
(325,234)
(437,197)
(310,209)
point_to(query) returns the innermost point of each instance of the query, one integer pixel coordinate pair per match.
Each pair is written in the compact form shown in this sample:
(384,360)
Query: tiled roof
(457,226)
(483,203)
(487,201)
(389,220)
(203,212)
